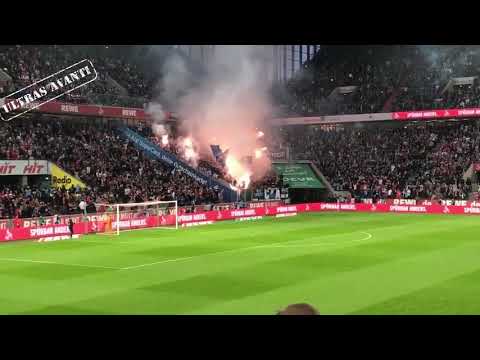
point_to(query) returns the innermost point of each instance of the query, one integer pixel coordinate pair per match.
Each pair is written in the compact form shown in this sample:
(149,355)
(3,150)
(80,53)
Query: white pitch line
(369,236)
(277,244)
(108,242)
(56,263)
(184,258)
(197,256)
(85,241)
(272,245)
(142,229)
(163,262)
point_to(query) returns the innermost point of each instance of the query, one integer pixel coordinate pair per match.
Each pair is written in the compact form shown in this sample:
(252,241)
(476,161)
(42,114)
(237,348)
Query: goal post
(131,216)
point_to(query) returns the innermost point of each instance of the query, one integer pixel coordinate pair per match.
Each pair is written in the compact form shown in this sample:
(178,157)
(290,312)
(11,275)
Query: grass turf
(343,263)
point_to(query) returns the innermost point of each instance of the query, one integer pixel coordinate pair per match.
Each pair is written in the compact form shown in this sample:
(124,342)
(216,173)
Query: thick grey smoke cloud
(432,54)
(155,110)
(177,78)
(445,59)
(227,103)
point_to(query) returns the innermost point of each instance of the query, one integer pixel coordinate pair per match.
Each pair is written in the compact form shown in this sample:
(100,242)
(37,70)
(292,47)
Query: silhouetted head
(299,309)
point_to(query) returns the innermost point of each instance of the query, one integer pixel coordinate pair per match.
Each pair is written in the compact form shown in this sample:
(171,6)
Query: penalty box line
(271,245)
(56,263)
(368,237)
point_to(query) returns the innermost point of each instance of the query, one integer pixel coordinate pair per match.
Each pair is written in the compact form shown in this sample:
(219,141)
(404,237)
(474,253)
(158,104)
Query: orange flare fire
(238,171)
(188,150)
(259,152)
(165,139)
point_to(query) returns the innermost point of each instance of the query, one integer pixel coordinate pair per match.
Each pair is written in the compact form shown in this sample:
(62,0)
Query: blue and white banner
(158,153)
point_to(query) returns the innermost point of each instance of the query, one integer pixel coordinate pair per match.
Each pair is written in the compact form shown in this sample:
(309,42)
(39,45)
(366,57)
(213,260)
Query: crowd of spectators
(374,72)
(378,162)
(114,170)
(39,201)
(202,160)
(388,78)
(405,77)
(269,179)
(129,76)
(426,85)
(369,161)
(382,162)
(28,64)
(418,161)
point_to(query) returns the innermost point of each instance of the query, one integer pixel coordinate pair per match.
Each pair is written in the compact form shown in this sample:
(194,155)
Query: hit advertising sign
(23,167)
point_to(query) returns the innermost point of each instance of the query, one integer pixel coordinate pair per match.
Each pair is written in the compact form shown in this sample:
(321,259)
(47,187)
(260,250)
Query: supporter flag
(216,151)
(219,154)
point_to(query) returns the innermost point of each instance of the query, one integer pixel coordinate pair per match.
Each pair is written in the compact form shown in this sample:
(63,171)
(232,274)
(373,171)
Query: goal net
(130,216)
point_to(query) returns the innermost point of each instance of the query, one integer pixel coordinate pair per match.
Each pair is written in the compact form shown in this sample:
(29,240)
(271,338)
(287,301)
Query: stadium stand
(114,170)
(28,64)
(118,82)
(375,72)
(205,164)
(368,79)
(412,162)
(381,162)
(426,86)
(386,78)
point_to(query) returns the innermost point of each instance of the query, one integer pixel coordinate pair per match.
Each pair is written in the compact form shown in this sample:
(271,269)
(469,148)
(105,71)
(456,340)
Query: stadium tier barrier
(133,221)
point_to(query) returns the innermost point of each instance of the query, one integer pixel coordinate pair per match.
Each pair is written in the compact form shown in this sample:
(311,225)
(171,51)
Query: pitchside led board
(299,176)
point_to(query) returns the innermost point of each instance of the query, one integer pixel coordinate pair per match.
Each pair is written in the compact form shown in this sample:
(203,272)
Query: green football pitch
(342,263)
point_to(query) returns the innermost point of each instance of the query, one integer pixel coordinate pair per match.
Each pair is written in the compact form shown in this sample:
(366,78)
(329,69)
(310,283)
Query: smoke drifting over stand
(225,105)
